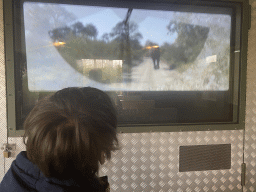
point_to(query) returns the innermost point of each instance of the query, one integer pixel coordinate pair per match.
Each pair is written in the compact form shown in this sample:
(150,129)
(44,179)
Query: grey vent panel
(204,157)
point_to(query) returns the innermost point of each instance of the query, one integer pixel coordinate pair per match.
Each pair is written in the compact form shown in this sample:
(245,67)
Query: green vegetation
(81,43)
(78,48)
(188,45)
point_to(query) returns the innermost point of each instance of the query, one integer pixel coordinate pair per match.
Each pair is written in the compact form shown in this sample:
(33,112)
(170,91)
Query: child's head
(69,131)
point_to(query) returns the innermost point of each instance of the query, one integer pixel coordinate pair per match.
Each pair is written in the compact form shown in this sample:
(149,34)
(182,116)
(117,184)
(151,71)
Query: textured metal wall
(250,126)
(3,128)
(149,161)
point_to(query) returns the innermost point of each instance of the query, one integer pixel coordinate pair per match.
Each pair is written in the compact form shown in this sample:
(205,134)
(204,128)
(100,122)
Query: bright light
(150,47)
(59,43)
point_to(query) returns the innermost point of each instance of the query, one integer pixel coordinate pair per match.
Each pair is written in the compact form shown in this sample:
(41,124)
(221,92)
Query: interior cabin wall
(150,161)
(3,120)
(250,118)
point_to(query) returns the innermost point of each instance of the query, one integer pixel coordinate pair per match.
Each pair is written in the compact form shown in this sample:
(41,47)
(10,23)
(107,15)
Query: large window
(166,66)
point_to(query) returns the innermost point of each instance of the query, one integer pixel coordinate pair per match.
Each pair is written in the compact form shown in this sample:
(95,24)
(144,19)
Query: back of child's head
(68,132)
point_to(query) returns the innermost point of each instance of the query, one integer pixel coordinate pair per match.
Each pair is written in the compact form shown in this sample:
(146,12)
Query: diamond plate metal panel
(250,124)
(3,128)
(150,162)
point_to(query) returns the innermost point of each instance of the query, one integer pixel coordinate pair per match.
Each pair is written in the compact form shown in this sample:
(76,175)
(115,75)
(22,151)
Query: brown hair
(68,132)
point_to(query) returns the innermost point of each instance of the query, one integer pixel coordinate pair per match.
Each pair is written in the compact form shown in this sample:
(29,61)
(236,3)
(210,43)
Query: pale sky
(151,24)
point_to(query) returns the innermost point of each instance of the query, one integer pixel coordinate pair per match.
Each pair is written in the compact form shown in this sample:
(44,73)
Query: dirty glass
(159,65)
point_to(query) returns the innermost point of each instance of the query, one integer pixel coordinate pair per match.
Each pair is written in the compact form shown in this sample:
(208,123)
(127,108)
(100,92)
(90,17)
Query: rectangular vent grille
(204,157)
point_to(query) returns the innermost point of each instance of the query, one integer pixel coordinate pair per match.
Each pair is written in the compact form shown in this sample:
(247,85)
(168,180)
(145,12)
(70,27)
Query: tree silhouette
(127,36)
(149,43)
(105,37)
(60,34)
(120,30)
(136,36)
(190,41)
(77,28)
(90,31)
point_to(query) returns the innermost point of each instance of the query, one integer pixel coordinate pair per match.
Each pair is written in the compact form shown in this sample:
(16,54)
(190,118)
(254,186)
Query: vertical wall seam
(3,117)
